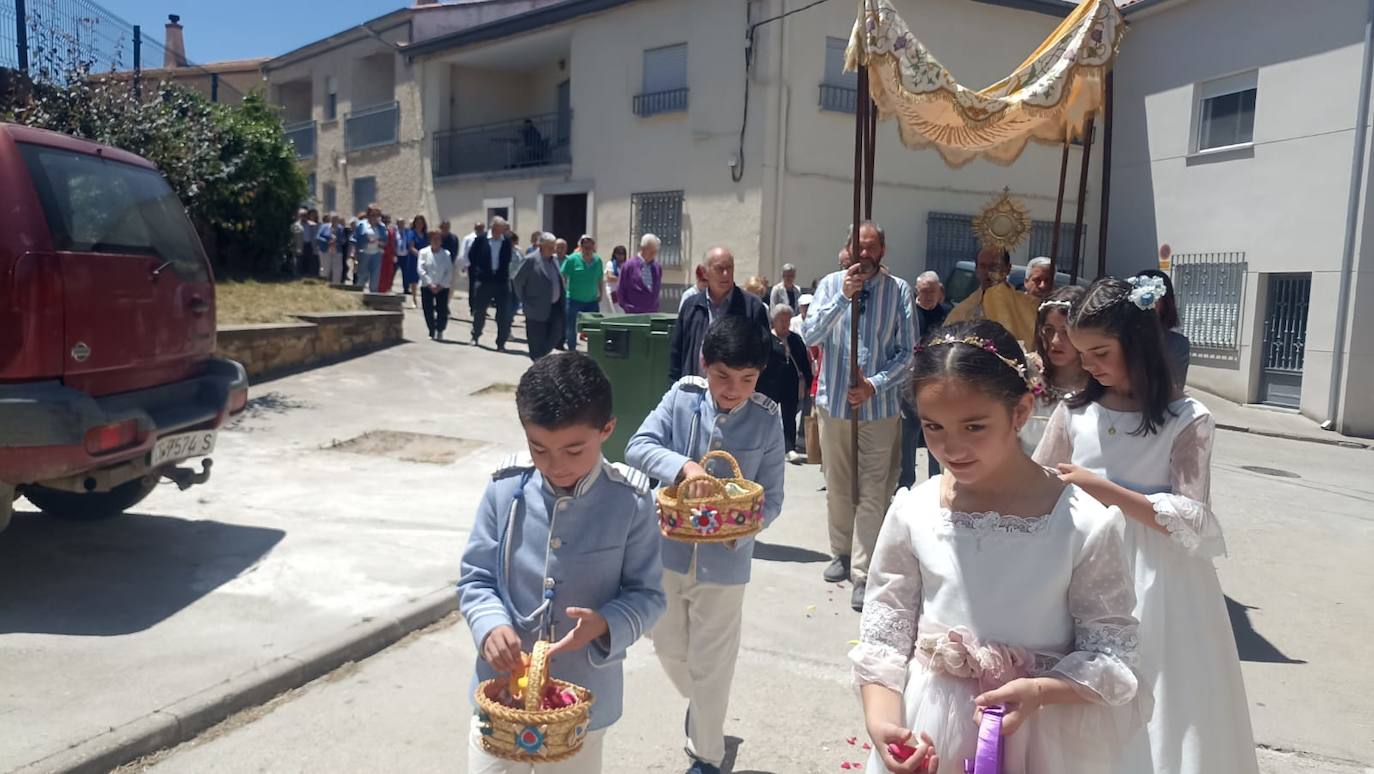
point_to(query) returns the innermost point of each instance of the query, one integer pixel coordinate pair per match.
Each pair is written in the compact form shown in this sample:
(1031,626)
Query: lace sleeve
(1055,445)
(1101,598)
(1186,509)
(887,630)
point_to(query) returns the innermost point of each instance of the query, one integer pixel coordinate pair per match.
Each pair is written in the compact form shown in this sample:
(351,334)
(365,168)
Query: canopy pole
(861,161)
(1082,201)
(1106,178)
(1059,206)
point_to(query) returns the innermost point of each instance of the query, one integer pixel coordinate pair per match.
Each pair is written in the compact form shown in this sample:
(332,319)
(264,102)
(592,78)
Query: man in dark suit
(538,284)
(490,257)
(722,297)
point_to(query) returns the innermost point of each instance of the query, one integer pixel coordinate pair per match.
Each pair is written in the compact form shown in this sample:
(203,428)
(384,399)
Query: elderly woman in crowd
(788,375)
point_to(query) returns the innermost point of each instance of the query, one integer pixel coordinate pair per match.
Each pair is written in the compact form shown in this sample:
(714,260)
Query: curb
(1341,442)
(186,718)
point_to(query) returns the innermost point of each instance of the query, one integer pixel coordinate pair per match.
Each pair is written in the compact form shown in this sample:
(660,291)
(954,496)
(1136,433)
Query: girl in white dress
(1061,369)
(994,584)
(1132,440)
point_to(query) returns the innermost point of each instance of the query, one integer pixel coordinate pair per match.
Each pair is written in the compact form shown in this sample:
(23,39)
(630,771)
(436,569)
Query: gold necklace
(1111,422)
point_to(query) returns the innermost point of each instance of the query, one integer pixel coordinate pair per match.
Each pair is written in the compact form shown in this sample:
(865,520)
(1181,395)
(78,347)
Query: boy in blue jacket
(565,544)
(698,639)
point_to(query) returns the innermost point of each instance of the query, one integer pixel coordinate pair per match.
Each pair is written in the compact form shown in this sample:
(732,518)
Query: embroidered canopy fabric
(1047,98)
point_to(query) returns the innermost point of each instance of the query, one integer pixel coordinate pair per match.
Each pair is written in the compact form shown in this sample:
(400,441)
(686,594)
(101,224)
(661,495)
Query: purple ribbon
(988,758)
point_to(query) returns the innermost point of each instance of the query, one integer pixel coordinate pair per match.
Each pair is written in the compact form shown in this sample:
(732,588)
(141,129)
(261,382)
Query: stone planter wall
(318,339)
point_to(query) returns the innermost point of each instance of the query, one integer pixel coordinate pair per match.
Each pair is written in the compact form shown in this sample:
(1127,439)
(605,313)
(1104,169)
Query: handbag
(813,438)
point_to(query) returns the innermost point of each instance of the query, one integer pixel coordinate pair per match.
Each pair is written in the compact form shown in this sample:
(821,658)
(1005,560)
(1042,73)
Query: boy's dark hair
(971,363)
(736,342)
(1108,308)
(1069,294)
(1167,307)
(563,390)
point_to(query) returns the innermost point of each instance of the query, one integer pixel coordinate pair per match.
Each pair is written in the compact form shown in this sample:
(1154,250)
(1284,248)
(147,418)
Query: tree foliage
(231,165)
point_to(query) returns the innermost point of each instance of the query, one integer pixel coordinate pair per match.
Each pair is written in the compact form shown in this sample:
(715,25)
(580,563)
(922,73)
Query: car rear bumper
(43,425)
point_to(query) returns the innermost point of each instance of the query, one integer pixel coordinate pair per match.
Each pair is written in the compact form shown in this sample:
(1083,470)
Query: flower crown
(1065,305)
(1146,291)
(1031,377)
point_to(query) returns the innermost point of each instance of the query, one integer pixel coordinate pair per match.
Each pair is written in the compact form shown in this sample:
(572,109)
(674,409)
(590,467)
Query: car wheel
(89,506)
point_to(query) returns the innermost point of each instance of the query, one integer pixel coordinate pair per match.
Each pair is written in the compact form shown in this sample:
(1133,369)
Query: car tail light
(112,437)
(238,399)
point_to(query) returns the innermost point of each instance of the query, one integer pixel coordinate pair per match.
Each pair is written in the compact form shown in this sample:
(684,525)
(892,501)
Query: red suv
(107,330)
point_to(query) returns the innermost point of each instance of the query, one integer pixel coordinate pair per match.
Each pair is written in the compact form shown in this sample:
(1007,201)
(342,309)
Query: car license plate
(181,446)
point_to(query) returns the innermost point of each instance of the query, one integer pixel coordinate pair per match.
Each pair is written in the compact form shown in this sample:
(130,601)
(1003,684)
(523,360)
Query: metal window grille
(1211,290)
(330,197)
(653,103)
(665,81)
(658,213)
(949,239)
(372,127)
(839,90)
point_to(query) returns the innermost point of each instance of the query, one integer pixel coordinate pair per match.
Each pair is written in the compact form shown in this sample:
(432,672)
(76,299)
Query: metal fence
(302,136)
(1211,291)
(840,99)
(949,239)
(672,101)
(56,40)
(536,141)
(372,127)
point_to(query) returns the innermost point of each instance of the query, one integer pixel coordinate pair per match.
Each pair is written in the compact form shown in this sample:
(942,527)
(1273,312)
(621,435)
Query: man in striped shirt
(886,341)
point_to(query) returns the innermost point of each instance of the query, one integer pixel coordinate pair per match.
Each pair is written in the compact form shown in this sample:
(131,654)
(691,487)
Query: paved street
(294,541)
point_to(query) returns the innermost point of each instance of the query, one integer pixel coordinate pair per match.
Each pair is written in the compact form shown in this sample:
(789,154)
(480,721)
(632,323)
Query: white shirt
(463,260)
(436,267)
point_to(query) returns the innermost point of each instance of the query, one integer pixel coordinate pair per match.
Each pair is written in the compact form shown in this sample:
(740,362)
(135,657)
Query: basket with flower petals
(731,509)
(533,718)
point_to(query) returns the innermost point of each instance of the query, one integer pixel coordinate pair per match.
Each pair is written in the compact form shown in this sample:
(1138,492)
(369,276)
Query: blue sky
(240,29)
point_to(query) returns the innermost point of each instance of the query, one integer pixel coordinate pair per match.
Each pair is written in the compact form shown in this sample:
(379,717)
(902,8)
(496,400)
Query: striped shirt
(886,340)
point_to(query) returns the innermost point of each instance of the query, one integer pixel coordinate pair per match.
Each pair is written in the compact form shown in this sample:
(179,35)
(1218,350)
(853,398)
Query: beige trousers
(854,530)
(586,761)
(697,641)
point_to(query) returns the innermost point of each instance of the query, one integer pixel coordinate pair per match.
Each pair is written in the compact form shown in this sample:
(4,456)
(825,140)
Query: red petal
(853,740)
(846,765)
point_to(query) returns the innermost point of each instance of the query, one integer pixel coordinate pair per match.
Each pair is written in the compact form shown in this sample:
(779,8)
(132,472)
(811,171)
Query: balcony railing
(302,135)
(372,127)
(537,141)
(841,99)
(651,104)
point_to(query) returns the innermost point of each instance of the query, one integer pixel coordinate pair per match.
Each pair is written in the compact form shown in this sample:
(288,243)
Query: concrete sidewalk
(1272,421)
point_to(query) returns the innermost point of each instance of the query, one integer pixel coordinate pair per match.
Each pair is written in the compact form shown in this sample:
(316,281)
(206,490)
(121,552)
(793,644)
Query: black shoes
(838,571)
(856,601)
(701,767)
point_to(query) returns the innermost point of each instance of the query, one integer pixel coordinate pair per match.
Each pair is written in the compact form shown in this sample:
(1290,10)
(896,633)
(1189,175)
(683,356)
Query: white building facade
(616,118)
(1243,147)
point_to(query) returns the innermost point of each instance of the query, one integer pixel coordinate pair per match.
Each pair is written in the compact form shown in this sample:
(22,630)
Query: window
(364,192)
(1224,112)
(665,81)
(660,214)
(1211,292)
(97,206)
(949,239)
(331,98)
(331,197)
(839,89)
(310,188)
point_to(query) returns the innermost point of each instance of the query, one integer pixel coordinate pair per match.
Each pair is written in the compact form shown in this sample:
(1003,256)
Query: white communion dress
(1188,662)
(960,603)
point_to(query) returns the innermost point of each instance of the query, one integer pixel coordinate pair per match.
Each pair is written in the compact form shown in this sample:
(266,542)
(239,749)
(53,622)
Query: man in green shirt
(583,273)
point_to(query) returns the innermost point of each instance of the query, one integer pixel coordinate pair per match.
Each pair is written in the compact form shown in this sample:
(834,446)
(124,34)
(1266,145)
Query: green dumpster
(633,350)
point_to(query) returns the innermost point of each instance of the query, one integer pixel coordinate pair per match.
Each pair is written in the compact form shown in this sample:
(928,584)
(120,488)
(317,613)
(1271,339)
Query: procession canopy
(1047,98)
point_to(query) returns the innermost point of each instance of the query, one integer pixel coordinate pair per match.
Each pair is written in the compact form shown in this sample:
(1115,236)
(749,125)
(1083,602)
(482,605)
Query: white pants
(697,641)
(586,761)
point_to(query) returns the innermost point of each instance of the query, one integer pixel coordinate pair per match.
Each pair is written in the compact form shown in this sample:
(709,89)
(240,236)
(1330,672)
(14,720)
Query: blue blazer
(534,553)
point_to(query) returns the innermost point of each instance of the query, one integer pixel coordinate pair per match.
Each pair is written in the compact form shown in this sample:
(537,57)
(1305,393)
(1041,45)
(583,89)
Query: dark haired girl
(1133,441)
(993,583)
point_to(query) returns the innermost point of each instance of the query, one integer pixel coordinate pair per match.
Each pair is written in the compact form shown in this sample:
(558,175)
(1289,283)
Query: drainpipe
(1352,220)
(780,172)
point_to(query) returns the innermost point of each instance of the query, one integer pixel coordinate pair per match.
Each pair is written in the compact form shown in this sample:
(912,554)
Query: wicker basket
(533,735)
(716,518)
